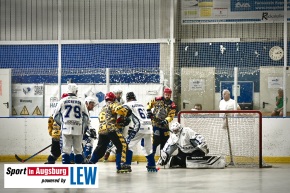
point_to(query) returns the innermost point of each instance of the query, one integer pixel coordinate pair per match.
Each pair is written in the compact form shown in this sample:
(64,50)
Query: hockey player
(119,93)
(163,114)
(72,114)
(192,150)
(90,133)
(108,131)
(140,127)
(55,132)
(111,148)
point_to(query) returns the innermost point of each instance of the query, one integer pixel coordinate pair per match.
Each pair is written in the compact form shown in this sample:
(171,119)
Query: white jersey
(139,120)
(227,105)
(73,115)
(182,141)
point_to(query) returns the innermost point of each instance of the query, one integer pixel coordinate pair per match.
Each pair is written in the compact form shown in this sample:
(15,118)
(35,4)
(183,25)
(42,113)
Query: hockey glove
(56,132)
(123,121)
(92,133)
(149,114)
(131,135)
(130,130)
(164,155)
(50,125)
(164,158)
(164,123)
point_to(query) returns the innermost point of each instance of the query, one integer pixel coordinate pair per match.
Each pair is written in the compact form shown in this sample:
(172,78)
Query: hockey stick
(24,160)
(230,144)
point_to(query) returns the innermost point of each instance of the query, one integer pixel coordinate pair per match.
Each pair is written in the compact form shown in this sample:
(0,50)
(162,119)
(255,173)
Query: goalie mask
(175,128)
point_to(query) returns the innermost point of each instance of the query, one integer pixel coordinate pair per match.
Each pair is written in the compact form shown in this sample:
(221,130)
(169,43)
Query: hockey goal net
(236,135)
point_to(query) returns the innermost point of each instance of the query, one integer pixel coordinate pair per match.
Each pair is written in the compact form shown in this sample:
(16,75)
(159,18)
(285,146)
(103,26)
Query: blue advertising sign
(257,5)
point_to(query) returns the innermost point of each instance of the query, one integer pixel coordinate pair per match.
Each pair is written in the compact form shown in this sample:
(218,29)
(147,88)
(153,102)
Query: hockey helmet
(72,88)
(90,99)
(175,128)
(130,95)
(167,91)
(117,90)
(64,95)
(110,96)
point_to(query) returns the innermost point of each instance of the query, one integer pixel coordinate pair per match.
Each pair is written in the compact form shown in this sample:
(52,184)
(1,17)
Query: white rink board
(29,135)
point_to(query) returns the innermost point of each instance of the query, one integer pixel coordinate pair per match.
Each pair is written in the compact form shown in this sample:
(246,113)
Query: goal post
(236,135)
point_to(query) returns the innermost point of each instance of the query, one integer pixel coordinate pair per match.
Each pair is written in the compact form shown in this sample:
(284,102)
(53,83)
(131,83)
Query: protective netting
(237,136)
(224,56)
(83,63)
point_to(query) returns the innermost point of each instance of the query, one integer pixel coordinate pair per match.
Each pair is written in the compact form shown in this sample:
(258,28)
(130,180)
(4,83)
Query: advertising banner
(232,11)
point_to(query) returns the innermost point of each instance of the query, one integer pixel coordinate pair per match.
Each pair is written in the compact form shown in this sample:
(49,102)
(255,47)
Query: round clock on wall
(276,53)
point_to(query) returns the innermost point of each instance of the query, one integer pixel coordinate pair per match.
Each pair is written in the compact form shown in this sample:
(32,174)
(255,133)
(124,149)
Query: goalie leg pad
(206,162)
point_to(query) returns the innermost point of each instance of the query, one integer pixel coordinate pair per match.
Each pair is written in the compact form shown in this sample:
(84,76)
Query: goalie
(192,150)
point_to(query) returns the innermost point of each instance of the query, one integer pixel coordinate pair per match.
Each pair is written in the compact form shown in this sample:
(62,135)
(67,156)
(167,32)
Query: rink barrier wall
(26,136)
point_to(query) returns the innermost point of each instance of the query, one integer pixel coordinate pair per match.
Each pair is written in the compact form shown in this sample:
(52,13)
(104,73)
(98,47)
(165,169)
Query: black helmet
(130,95)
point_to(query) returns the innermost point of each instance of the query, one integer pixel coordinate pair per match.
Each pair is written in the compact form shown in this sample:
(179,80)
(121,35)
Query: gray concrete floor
(229,180)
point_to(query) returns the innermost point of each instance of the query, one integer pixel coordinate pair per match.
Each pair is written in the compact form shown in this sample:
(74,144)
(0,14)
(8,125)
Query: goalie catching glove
(92,133)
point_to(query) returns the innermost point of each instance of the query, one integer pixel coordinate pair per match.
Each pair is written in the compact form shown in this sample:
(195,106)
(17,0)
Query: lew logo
(242,5)
(57,176)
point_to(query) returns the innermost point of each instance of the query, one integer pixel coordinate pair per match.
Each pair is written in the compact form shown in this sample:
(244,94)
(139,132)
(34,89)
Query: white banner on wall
(232,11)
(27,99)
(275,82)
(197,84)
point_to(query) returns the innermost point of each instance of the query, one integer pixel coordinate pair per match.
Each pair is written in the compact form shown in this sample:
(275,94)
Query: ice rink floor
(229,180)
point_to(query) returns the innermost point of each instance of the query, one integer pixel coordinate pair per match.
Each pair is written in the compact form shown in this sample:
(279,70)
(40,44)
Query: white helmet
(175,128)
(90,99)
(117,90)
(72,88)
